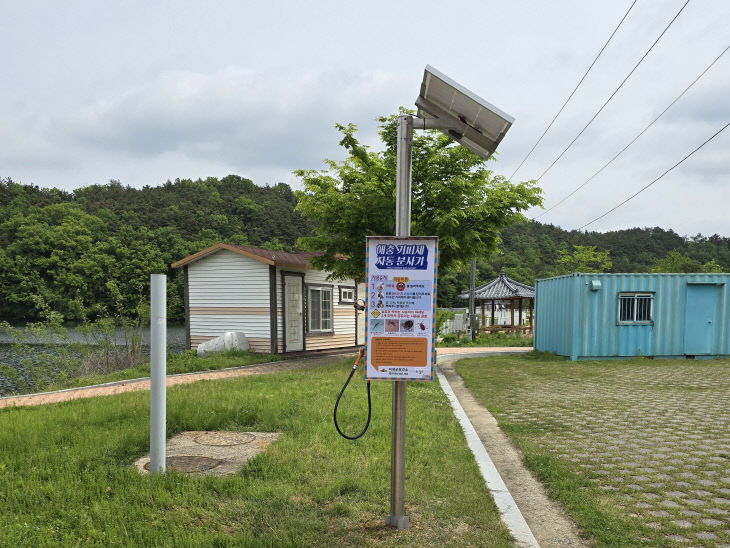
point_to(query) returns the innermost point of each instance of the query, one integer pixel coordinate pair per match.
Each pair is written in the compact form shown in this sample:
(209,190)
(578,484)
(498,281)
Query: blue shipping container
(622,315)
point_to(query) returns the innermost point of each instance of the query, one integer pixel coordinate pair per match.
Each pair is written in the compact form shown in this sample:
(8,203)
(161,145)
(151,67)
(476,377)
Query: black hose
(337,426)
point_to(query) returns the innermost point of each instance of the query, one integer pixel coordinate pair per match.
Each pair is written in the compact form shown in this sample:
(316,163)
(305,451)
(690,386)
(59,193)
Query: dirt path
(549,523)
(172,380)
(132,385)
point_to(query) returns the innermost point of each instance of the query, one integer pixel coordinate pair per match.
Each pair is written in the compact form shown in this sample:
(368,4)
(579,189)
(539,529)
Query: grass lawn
(637,451)
(66,474)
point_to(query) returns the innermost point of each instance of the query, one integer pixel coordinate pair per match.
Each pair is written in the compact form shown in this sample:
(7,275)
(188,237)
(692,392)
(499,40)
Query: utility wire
(572,92)
(615,91)
(655,180)
(620,152)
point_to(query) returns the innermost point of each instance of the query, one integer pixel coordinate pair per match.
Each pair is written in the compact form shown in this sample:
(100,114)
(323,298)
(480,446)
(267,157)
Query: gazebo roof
(501,287)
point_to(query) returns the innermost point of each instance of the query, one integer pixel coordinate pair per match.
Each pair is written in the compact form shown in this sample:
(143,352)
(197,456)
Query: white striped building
(280,302)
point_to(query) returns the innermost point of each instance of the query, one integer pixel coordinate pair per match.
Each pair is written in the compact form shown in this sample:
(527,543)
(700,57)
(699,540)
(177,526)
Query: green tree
(675,261)
(454,197)
(53,256)
(584,258)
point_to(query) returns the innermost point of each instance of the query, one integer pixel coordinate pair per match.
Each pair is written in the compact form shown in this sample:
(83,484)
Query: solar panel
(461,114)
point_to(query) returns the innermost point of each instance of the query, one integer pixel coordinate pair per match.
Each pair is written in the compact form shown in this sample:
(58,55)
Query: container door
(293,319)
(700,319)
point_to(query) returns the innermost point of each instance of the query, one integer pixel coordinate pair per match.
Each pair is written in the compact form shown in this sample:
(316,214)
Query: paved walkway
(483,350)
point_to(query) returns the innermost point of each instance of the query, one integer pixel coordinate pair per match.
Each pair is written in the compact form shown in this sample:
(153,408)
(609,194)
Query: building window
(347,295)
(319,309)
(635,308)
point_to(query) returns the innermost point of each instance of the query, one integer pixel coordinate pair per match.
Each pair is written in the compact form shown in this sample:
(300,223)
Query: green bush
(486,340)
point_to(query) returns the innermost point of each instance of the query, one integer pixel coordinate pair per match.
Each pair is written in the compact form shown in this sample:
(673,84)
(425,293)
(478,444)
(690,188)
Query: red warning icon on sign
(400,286)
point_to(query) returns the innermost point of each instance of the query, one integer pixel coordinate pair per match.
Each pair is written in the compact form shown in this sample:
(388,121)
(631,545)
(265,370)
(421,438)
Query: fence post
(158,372)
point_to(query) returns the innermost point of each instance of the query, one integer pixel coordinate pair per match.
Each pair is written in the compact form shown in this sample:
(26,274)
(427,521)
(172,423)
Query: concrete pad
(218,453)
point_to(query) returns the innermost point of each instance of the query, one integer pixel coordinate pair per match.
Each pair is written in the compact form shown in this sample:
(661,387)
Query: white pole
(158,372)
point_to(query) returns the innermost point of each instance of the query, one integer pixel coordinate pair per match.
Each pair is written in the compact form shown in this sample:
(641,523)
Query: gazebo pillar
(520,305)
(512,312)
(483,320)
(493,305)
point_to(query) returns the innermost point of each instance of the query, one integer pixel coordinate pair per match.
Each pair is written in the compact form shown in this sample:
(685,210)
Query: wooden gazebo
(503,290)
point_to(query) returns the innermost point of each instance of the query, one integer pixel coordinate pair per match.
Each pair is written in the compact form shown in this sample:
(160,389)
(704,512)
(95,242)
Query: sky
(145,92)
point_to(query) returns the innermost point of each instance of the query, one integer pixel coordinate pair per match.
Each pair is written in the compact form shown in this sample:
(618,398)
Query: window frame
(321,288)
(635,297)
(347,288)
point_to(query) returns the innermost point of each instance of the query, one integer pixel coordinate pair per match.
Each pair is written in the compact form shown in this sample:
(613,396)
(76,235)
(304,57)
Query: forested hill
(230,207)
(533,250)
(90,252)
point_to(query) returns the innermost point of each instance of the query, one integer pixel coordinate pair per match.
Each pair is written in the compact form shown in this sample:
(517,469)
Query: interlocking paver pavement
(658,434)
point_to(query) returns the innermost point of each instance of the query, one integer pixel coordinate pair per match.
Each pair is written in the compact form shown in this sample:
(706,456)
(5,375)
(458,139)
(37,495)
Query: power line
(655,180)
(614,92)
(620,152)
(572,92)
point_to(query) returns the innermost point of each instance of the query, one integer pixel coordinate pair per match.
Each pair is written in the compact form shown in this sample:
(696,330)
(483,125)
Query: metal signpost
(479,126)
(397,517)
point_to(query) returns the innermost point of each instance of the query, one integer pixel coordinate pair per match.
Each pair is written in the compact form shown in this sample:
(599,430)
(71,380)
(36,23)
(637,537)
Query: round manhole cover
(224,438)
(189,464)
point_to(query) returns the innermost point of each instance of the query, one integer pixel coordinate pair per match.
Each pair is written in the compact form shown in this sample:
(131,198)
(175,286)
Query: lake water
(175,342)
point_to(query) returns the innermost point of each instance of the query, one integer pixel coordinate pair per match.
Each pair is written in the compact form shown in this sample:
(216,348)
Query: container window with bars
(635,308)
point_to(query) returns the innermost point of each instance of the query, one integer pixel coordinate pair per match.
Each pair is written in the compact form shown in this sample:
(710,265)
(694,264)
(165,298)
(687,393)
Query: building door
(700,319)
(293,317)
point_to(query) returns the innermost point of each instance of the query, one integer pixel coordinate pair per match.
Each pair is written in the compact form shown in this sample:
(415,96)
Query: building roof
(501,287)
(278,258)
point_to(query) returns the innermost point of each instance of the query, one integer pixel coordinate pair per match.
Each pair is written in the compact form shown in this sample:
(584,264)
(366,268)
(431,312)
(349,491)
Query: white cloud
(235,115)
(232,120)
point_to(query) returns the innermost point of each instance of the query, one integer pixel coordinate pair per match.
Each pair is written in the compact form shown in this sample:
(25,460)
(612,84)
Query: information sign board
(401,304)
